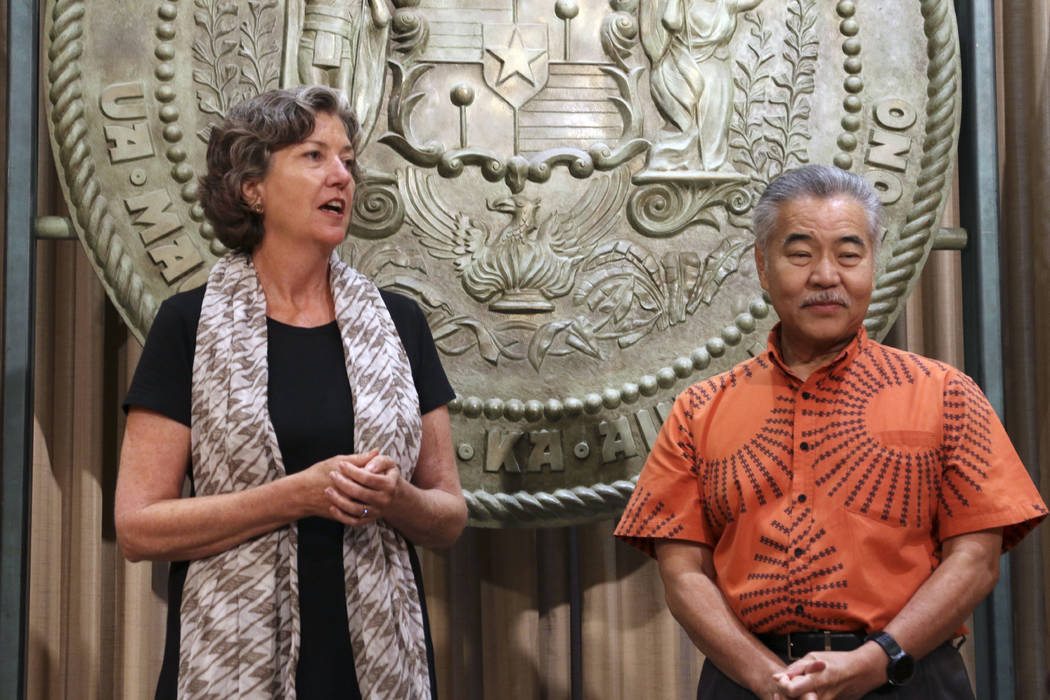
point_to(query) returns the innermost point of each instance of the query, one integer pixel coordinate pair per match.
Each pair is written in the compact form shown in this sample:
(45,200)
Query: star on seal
(516,58)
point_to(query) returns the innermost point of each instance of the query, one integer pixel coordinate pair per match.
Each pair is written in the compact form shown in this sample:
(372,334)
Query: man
(832,510)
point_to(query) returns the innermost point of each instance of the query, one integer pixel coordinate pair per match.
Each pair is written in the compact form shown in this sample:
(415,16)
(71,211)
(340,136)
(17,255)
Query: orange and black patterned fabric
(825,501)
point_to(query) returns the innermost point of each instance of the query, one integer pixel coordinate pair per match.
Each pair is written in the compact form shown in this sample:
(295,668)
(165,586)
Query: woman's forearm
(180,529)
(153,522)
(427,517)
(430,510)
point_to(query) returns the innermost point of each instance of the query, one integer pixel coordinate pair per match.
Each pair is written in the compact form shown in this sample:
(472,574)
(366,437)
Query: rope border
(94,224)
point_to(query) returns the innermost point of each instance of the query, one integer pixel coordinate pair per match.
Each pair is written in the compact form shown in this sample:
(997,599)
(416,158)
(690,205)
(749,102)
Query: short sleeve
(164,376)
(983,482)
(666,502)
(429,376)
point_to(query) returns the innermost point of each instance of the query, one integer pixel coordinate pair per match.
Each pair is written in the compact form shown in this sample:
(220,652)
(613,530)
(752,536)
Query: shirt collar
(845,357)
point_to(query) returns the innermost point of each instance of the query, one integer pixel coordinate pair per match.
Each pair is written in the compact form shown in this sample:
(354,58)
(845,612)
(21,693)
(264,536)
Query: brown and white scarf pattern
(240,609)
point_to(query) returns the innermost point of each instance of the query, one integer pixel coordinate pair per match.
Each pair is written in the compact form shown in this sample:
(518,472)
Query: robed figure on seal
(687,42)
(341,44)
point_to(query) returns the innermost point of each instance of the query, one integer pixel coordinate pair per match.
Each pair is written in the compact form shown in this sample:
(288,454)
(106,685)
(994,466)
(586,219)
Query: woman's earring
(257,207)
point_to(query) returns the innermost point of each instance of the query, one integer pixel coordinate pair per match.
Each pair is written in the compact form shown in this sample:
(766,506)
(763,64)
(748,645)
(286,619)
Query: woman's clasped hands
(355,489)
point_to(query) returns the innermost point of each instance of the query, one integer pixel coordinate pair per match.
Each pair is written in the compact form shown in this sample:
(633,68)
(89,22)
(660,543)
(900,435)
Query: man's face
(819,269)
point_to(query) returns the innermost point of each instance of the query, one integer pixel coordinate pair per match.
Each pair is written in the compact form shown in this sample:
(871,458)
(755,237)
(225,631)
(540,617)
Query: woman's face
(307,194)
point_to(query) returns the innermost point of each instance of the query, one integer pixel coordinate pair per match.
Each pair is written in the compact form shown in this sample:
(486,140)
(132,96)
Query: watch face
(901,669)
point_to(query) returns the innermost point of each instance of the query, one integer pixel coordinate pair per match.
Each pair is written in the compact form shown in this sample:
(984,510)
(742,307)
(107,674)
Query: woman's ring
(365,513)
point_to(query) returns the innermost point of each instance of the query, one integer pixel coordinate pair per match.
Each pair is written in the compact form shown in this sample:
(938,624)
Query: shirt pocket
(909,439)
(895,482)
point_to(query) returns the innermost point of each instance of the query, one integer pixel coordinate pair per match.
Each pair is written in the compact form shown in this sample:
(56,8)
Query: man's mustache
(825,298)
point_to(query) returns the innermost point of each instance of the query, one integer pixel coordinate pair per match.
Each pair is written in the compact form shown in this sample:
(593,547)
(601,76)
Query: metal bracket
(950,239)
(54,228)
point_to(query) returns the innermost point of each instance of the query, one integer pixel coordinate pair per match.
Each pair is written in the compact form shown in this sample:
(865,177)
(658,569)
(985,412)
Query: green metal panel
(22,43)
(982,323)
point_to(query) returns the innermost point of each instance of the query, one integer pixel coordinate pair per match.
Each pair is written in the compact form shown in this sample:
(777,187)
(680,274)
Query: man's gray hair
(820,182)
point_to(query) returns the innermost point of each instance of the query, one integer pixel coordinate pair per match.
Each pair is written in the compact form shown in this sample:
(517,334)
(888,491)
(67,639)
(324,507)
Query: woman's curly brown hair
(239,151)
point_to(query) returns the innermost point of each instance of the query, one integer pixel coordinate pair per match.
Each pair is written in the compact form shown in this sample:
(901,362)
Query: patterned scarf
(240,608)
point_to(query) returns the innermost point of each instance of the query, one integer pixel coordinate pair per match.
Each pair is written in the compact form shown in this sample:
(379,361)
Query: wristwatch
(901,667)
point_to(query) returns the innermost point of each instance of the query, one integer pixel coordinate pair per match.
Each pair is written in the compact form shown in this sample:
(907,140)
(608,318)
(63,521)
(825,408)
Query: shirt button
(799,610)
(806,395)
(804,446)
(799,551)
(802,498)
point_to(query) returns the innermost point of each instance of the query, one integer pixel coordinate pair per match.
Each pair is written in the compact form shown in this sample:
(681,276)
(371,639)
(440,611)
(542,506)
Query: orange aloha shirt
(825,501)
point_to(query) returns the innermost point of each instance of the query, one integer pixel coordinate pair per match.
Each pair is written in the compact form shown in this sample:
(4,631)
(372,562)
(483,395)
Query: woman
(308,410)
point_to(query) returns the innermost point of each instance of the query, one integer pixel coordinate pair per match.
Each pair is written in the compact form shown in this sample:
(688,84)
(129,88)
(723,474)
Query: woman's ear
(251,193)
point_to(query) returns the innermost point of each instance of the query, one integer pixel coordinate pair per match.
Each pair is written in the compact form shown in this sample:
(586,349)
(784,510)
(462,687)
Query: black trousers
(941,675)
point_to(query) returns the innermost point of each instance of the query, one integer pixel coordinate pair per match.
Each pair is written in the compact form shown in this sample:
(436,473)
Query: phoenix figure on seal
(532,259)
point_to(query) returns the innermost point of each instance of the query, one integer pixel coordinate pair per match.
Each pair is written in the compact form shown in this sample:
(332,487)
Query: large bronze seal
(564,186)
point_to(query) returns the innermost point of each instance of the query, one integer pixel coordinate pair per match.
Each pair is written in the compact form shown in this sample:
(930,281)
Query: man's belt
(795,645)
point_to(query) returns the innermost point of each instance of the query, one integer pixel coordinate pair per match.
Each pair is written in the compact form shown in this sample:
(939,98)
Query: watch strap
(887,642)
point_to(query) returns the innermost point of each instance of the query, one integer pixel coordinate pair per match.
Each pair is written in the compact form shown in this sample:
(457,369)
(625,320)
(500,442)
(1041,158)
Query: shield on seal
(564,188)
(515,60)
